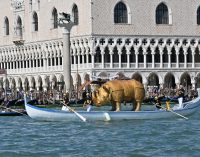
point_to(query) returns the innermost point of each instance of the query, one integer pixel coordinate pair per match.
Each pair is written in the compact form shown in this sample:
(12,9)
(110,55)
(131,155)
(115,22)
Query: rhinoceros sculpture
(117,91)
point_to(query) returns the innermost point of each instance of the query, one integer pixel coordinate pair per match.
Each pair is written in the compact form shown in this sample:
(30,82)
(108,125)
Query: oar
(13,110)
(76,113)
(174,112)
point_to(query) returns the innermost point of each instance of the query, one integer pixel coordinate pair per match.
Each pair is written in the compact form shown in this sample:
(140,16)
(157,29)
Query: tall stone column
(66,58)
(66,23)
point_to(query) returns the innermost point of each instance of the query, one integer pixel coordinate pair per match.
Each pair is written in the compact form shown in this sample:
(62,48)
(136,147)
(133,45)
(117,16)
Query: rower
(180,96)
(65,102)
(158,103)
(168,103)
(88,102)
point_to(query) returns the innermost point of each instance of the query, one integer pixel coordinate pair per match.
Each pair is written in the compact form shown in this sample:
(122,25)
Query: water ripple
(22,136)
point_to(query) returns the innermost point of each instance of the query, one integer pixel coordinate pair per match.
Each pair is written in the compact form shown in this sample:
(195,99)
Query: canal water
(23,137)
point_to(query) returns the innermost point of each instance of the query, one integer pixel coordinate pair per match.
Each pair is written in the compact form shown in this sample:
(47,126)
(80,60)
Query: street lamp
(65,21)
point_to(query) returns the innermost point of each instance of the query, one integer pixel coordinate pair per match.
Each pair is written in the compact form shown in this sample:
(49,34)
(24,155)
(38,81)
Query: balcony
(18,40)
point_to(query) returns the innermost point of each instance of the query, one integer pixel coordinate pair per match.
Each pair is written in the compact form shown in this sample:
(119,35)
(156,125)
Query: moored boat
(12,113)
(45,114)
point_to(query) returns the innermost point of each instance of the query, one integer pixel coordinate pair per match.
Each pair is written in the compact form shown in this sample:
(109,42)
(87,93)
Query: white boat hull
(44,114)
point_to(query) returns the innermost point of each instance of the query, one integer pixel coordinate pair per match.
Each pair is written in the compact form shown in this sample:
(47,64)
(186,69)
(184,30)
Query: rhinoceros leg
(113,106)
(134,105)
(138,106)
(118,106)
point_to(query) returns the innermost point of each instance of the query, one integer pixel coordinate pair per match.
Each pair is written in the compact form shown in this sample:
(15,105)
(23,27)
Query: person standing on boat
(88,102)
(158,103)
(168,103)
(65,102)
(180,96)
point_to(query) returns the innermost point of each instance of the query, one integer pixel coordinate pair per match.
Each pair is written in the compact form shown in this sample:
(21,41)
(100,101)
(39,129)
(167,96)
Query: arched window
(75,14)
(19,27)
(35,21)
(120,13)
(198,16)
(55,18)
(6,26)
(162,15)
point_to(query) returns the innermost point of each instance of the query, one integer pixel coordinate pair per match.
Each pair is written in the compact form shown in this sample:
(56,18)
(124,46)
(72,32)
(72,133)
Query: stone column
(145,60)
(111,60)
(161,60)
(66,58)
(102,60)
(136,59)
(193,59)
(169,60)
(120,60)
(153,60)
(128,60)
(185,58)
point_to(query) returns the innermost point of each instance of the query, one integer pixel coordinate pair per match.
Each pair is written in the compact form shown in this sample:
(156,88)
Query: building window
(30,5)
(19,27)
(120,13)
(55,18)
(162,15)
(6,26)
(75,14)
(198,16)
(35,21)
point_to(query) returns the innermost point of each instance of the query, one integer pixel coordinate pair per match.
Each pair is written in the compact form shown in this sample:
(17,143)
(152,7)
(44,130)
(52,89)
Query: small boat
(12,113)
(45,114)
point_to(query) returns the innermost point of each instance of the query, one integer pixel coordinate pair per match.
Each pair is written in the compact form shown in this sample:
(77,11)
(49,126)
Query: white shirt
(64,108)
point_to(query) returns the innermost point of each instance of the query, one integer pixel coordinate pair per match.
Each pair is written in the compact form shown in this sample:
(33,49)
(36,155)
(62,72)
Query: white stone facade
(156,54)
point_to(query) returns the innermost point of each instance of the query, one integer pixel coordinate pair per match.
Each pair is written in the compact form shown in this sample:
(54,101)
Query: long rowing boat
(45,114)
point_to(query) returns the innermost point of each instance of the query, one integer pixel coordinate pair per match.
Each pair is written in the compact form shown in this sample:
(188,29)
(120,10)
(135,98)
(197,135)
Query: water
(22,136)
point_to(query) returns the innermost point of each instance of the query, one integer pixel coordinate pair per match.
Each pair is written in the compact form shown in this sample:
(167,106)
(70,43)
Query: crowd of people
(44,98)
(188,93)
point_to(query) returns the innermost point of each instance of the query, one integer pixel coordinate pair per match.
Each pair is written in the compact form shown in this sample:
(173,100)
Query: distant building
(154,41)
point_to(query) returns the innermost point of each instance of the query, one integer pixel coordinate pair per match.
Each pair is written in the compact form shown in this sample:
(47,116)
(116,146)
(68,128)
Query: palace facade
(154,41)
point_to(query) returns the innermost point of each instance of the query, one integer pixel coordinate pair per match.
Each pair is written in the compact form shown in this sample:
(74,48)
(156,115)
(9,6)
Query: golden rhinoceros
(117,91)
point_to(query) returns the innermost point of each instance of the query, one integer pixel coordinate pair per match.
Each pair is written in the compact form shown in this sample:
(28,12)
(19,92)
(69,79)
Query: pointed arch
(185,80)
(6,26)
(35,21)
(75,14)
(54,18)
(107,55)
(98,55)
(169,81)
(19,26)
(137,76)
(153,80)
